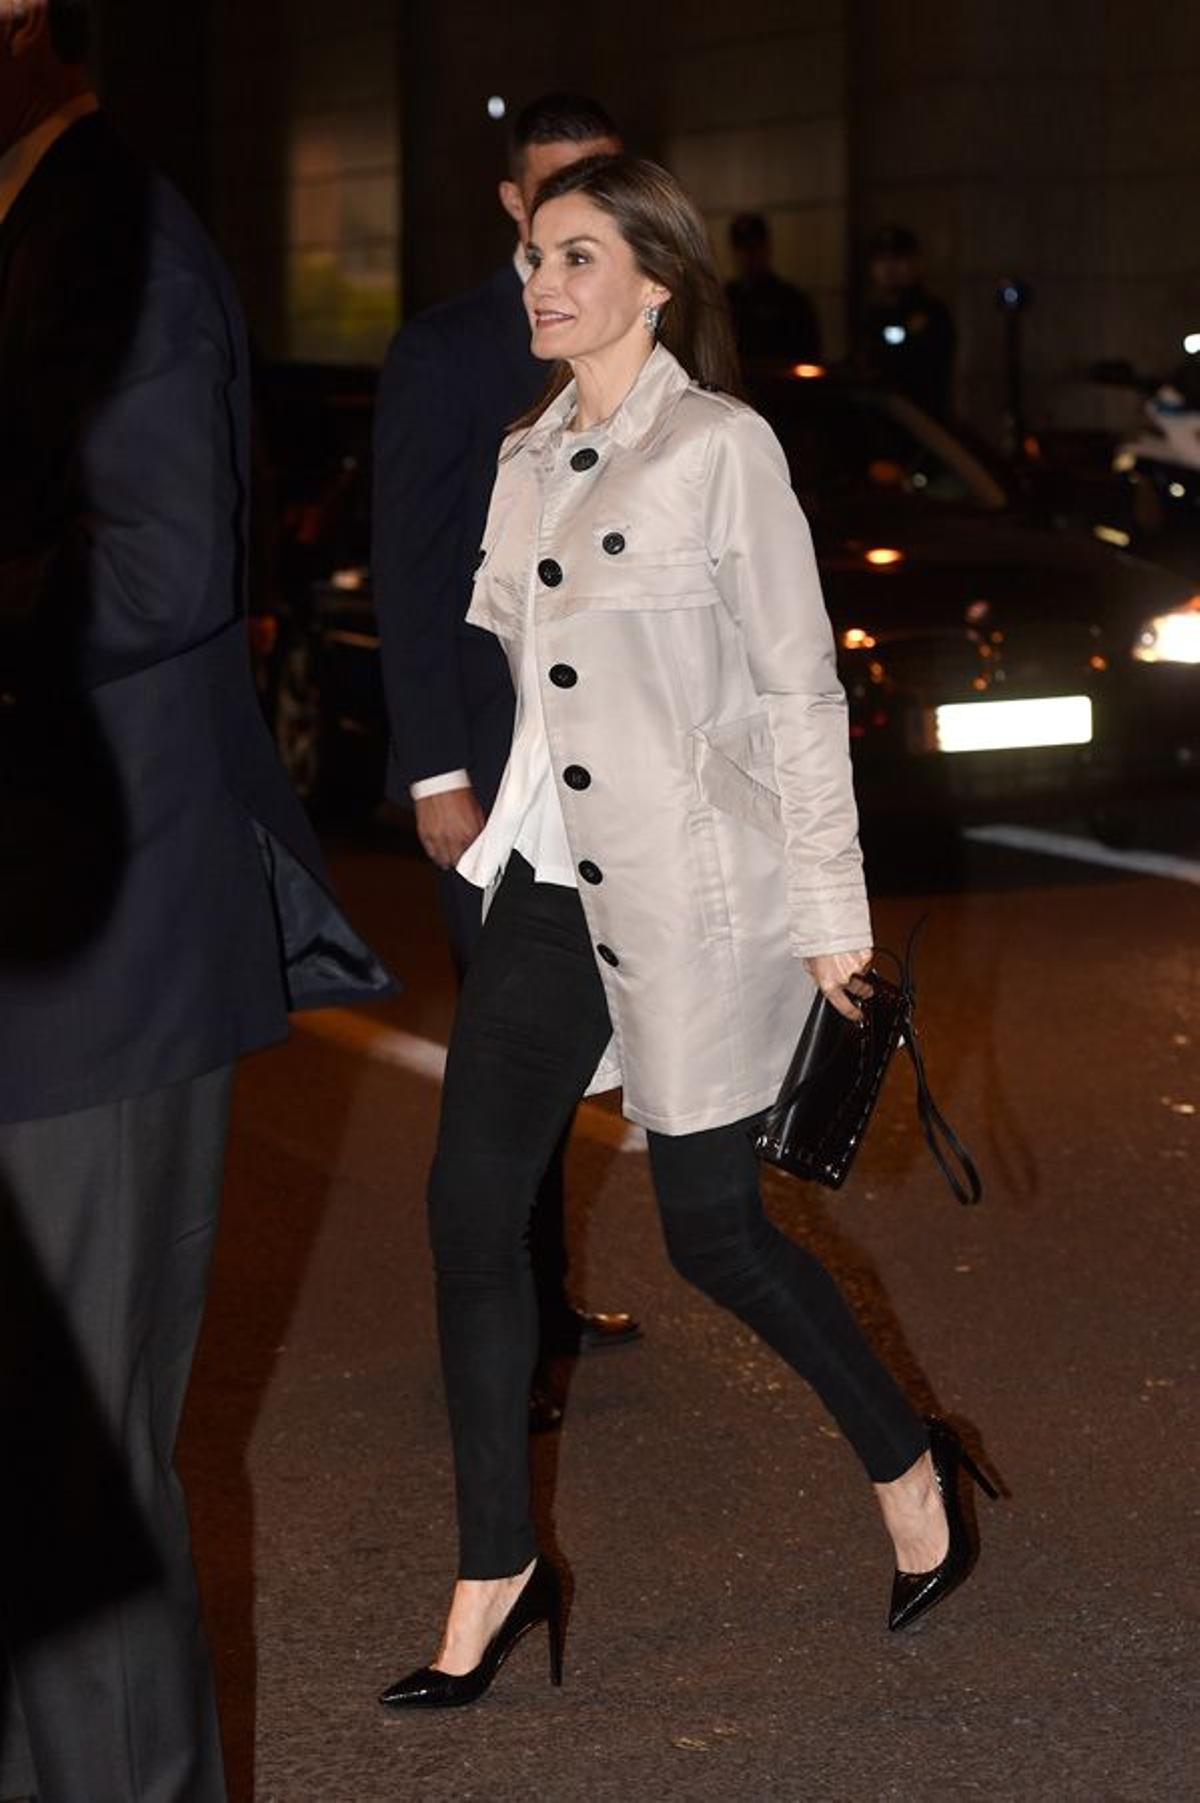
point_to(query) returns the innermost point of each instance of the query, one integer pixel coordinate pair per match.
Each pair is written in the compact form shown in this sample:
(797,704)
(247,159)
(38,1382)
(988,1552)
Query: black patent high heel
(540,1601)
(914,1593)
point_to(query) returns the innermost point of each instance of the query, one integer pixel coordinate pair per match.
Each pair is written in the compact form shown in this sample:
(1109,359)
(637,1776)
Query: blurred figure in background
(772,320)
(908,337)
(162,906)
(455,379)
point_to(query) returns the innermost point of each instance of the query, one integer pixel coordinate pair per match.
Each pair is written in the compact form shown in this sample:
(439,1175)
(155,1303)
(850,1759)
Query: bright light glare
(1172,638)
(894,334)
(1191,344)
(1111,535)
(496,107)
(857,638)
(883,557)
(1011,725)
(808,372)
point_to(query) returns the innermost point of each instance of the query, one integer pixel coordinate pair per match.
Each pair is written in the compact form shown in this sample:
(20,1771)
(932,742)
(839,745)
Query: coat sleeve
(766,573)
(423,442)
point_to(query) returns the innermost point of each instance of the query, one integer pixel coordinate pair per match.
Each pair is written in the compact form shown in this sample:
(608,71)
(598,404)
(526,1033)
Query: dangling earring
(651,316)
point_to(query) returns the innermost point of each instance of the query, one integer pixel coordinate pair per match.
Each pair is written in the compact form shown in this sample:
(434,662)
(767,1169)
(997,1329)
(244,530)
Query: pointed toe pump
(540,1601)
(915,1593)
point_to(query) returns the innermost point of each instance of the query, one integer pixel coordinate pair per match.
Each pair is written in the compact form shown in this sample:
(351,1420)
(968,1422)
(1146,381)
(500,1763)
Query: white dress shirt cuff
(440,785)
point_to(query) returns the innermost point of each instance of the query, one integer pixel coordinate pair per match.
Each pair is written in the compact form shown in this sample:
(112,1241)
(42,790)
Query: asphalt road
(727,1637)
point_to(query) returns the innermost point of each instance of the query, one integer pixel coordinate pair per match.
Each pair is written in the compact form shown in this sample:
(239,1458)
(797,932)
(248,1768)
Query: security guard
(908,336)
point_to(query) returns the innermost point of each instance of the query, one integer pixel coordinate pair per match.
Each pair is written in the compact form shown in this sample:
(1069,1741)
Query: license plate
(1012,725)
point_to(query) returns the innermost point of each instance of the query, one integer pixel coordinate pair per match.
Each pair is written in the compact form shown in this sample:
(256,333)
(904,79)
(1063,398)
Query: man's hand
(447,824)
(838,975)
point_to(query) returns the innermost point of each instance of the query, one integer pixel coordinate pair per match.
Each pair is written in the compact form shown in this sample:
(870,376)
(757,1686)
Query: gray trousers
(107,1222)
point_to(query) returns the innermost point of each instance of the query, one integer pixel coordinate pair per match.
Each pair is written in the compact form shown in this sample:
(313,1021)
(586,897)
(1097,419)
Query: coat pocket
(735,772)
(707,877)
(639,584)
(637,547)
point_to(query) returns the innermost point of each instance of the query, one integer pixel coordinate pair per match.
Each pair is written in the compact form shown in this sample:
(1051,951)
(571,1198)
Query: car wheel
(299,718)
(1116,824)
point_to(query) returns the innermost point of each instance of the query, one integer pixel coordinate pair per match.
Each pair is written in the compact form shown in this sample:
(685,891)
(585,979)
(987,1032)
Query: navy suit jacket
(455,379)
(162,897)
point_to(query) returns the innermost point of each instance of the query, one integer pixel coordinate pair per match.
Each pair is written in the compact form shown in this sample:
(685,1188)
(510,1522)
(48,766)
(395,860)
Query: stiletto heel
(914,1593)
(554,1628)
(540,1601)
(981,1478)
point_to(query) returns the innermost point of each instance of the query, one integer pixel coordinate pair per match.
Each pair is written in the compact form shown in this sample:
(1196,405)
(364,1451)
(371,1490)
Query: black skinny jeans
(532,1023)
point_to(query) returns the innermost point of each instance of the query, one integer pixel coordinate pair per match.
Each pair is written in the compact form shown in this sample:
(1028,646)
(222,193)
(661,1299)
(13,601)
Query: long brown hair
(664,230)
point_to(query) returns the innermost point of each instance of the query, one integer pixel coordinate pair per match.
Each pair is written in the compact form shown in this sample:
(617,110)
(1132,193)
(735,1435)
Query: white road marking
(1088,851)
(368,1038)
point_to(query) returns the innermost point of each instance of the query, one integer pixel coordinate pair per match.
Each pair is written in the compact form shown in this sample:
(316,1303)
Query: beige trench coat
(697,732)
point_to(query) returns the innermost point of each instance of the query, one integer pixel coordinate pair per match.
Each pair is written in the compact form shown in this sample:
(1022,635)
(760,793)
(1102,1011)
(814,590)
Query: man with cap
(908,336)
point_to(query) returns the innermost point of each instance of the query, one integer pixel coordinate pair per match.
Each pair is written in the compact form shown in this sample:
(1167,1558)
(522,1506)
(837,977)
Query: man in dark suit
(772,319)
(907,336)
(162,906)
(455,379)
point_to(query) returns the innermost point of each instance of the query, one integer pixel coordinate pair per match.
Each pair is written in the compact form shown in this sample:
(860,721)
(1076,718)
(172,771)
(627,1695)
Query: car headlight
(1171,638)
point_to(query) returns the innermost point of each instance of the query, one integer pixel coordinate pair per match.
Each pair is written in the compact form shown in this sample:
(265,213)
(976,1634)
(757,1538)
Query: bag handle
(948,1150)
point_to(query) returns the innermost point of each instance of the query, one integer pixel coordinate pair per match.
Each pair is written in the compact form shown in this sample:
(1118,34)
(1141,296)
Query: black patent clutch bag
(817,1123)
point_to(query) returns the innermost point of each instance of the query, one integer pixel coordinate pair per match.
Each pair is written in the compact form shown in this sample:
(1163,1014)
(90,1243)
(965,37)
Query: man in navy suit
(455,379)
(162,907)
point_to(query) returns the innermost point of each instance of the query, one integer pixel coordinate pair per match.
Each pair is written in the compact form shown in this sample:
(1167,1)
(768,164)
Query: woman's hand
(839,976)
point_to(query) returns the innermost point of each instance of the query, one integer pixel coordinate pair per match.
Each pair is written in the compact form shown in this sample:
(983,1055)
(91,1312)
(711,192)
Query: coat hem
(722,1114)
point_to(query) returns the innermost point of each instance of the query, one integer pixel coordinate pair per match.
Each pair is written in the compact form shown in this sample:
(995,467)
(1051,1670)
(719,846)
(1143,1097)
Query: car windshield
(858,444)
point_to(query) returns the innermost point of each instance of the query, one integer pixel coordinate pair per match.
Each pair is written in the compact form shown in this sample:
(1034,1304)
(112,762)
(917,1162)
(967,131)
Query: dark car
(310,624)
(994,666)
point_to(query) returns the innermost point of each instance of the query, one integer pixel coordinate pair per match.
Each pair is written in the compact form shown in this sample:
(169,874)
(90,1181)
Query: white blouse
(527,817)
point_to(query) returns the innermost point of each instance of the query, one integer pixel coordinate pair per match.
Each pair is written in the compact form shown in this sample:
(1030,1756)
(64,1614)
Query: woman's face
(586,293)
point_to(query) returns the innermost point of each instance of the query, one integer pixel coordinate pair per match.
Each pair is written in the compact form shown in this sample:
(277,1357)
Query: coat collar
(660,382)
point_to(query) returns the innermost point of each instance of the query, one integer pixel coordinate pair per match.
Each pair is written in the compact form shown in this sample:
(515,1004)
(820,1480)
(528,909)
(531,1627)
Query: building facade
(347,159)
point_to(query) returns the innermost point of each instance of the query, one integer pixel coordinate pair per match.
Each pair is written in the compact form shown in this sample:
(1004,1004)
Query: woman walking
(672,865)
